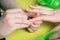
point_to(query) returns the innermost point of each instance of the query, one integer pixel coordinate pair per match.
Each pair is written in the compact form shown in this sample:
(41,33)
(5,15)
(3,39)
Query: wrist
(5,29)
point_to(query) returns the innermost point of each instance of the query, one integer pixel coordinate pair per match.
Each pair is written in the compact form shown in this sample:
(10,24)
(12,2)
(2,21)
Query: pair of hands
(17,18)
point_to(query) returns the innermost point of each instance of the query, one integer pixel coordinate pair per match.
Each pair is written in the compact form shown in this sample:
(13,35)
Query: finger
(19,26)
(24,25)
(34,11)
(40,7)
(36,25)
(44,18)
(33,28)
(32,14)
(35,7)
(38,22)
(9,16)
(35,19)
(44,12)
(19,21)
(30,30)
(31,10)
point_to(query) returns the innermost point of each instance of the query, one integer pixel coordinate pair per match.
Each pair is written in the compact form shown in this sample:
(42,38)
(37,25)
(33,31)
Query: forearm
(8,4)
(57,27)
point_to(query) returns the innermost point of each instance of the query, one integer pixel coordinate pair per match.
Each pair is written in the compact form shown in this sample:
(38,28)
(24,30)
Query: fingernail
(37,5)
(30,5)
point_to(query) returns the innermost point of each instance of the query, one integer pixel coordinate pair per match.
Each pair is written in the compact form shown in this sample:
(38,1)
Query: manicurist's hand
(45,14)
(40,14)
(16,18)
(12,20)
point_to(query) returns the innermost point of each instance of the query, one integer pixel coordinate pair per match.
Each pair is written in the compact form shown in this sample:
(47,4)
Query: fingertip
(26,9)
(37,5)
(32,7)
(30,30)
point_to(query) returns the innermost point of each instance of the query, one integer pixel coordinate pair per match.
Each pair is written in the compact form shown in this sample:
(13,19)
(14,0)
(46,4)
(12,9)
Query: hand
(12,20)
(35,25)
(35,12)
(16,18)
(50,14)
(38,10)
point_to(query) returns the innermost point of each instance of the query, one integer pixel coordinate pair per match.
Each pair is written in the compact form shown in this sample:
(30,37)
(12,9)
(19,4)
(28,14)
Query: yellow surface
(25,3)
(23,34)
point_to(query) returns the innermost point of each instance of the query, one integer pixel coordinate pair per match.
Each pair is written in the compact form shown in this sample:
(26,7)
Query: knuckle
(7,11)
(7,16)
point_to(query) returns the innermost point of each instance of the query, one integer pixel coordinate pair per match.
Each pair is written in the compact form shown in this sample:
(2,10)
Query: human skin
(12,18)
(33,26)
(47,14)
(56,36)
